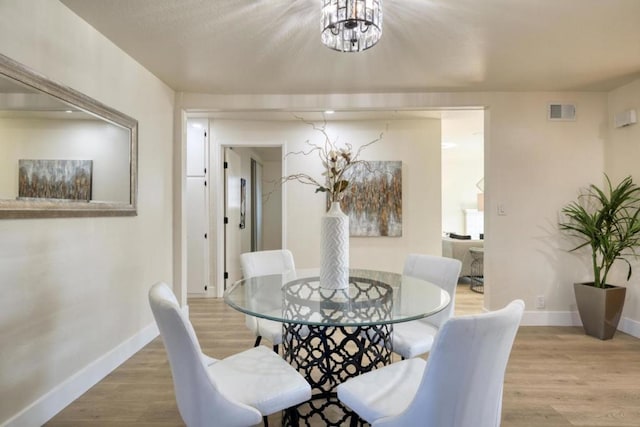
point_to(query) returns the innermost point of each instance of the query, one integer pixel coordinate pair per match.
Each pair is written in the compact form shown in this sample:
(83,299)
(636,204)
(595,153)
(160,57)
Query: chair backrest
(440,271)
(261,263)
(199,400)
(462,383)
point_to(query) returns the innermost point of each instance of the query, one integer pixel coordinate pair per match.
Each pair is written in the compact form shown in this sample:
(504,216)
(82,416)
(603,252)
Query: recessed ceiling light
(69,111)
(329,112)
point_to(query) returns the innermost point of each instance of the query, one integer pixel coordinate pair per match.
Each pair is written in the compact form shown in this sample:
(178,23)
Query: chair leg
(257,343)
(276,348)
(291,418)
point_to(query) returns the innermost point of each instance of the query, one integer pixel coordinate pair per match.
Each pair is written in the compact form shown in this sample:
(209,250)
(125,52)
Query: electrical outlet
(540,302)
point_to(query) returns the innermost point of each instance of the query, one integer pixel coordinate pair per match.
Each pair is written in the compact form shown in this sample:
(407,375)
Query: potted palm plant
(608,222)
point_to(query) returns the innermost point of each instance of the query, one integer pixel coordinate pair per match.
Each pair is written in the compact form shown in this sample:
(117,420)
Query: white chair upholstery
(460,385)
(414,338)
(259,264)
(237,391)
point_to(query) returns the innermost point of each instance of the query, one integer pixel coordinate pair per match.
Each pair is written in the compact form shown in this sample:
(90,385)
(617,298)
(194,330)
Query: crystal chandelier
(351,25)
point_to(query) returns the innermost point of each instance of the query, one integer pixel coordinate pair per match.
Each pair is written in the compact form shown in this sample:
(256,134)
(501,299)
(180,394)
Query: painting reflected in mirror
(55,179)
(61,152)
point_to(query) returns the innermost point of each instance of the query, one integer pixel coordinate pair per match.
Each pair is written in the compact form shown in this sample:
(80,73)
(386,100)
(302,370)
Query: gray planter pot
(599,308)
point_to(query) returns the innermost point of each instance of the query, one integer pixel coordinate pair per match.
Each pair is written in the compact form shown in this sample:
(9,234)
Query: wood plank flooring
(557,376)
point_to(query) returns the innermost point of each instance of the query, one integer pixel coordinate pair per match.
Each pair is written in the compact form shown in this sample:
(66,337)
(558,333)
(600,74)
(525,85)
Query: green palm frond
(608,221)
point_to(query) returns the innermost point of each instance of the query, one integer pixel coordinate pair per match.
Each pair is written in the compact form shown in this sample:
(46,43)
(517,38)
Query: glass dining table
(331,335)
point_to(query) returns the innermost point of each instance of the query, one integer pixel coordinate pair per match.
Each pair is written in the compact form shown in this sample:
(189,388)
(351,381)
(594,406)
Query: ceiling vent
(561,112)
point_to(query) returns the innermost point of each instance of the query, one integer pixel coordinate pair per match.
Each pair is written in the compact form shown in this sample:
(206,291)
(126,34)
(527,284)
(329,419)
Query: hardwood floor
(556,377)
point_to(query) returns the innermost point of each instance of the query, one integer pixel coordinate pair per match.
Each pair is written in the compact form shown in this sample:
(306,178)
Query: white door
(232,217)
(197,211)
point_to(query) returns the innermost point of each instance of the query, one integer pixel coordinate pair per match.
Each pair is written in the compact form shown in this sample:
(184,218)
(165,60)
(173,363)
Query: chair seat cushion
(411,339)
(383,392)
(260,378)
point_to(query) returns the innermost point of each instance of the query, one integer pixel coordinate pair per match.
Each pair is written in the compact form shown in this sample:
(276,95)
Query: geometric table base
(329,355)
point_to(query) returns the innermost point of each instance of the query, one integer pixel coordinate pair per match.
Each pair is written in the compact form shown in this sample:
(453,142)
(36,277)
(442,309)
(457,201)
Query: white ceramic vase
(334,251)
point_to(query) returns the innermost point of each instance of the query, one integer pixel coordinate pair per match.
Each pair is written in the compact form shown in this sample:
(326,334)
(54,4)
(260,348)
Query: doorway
(252,134)
(463,193)
(252,205)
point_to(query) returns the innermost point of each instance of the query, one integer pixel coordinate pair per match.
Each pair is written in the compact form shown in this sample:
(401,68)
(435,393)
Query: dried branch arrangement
(336,161)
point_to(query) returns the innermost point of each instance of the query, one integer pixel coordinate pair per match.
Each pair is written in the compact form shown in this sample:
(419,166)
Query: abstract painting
(55,179)
(373,200)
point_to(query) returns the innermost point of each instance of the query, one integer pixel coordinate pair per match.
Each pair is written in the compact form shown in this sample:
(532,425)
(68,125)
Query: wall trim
(629,326)
(551,318)
(48,405)
(572,318)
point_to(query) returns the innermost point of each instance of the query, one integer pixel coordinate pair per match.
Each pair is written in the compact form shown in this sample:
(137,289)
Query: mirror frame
(53,209)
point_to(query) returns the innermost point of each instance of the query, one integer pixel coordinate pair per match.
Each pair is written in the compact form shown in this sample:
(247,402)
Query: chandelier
(351,25)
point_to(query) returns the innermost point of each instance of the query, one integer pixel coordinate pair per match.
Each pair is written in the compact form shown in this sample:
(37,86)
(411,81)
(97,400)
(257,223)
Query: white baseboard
(551,318)
(47,406)
(572,318)
(629,326)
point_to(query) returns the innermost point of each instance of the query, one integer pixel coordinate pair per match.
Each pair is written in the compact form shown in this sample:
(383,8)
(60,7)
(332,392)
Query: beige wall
(532,167)
(622,159)
(415,142)
(272,205)
(74,291)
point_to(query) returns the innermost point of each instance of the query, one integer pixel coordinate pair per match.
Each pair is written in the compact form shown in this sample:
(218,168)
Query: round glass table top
(373,298)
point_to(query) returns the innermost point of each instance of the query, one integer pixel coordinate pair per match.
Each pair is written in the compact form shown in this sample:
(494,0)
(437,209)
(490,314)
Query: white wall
(74,291)
(622,159)
(105,144)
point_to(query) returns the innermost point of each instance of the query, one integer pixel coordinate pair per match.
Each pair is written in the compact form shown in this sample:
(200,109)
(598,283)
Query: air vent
(562,112)
(625,118)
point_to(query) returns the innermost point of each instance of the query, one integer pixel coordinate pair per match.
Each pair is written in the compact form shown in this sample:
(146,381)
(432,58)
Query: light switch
(501,209)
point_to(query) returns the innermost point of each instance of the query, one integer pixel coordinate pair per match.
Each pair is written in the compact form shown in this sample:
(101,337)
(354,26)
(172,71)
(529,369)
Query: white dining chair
(261,263)
(240,390)
(460,384)
(411,339)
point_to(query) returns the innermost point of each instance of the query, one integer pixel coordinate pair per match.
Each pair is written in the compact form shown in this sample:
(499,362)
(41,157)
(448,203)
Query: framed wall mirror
(62,153)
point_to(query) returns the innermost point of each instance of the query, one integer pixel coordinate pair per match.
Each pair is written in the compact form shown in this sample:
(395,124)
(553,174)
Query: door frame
(216,208)
(216,217)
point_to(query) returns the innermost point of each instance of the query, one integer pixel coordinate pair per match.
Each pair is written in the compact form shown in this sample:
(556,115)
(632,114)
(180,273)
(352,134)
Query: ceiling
(273,46)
